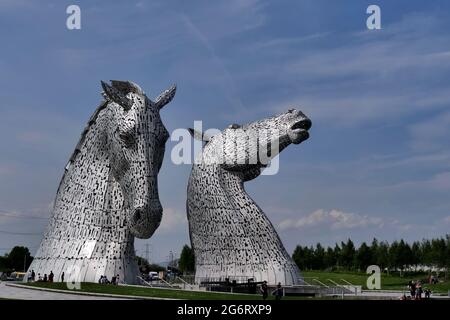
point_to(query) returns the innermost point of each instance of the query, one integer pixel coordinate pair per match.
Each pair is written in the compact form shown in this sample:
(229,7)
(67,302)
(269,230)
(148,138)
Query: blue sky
(378,160)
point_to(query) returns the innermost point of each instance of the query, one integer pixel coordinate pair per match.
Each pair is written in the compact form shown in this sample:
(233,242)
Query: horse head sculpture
(136,140)
(109,192)
(231,236)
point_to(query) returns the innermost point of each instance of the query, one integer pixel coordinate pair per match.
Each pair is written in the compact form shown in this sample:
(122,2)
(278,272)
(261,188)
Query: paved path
(30,294)
(391,295)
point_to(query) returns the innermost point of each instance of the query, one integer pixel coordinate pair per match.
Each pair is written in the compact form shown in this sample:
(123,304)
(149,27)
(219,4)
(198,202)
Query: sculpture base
(286,276)
(86,270)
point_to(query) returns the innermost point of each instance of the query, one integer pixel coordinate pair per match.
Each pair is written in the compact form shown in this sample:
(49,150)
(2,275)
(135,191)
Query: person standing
(33,275)
(264,290)
(278,292)
(50,276)
(412,288)
(419,290)
(427,293)
(62,277)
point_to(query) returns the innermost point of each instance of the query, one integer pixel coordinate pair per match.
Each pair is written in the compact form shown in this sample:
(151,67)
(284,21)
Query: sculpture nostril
(137,215)
(306,124)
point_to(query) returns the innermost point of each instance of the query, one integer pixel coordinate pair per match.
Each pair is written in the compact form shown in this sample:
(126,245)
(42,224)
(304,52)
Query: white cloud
(172,221)
(333,219)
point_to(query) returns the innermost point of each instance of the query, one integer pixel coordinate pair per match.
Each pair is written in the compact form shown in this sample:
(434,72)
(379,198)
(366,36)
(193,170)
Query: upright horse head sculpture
(109,192)
(231,236)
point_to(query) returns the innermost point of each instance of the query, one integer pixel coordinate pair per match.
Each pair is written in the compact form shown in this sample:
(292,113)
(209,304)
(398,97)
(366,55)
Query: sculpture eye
(127,137)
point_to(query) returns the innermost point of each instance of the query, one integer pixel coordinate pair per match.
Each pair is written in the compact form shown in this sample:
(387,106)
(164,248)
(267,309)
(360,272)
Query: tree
(363,257)
(382,256)
(337,255)
(155,267)
(143,264)
(348,254)
(426,253)
(439,253)
(187,260)
(400,255)
(447,255)
(329,259)
(405,257)
(416,254)
(309,257)
(19,258)
(396,256)
(394,261)
(373,251)
(3,263)
(304,257)
(297,256)
(318,259)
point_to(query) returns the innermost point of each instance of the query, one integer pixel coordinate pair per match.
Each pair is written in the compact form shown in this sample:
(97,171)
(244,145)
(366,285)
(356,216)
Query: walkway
(8,292)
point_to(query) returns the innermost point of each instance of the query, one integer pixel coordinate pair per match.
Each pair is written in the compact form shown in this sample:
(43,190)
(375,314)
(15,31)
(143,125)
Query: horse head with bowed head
(231,236)
(109,192)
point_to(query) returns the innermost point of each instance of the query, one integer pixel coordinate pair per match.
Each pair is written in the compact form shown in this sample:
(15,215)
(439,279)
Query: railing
(306,283)
(321,283)
(343,288)
(238,279)
(164,281)
(185,283)
(159,279)
(145,282)
(355,288)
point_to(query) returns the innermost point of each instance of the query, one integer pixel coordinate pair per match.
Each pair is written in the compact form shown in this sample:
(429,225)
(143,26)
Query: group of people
(50,278)
(44,278)
(104,280)
(416,290)
(278,292)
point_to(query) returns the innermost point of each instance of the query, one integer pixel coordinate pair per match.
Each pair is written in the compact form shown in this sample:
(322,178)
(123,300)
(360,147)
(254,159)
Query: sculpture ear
(126,86)
(165,97)
(199,135)
(112,94)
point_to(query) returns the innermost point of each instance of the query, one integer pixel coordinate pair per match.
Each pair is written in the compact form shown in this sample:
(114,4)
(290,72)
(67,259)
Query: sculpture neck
(89,198)
(230,234)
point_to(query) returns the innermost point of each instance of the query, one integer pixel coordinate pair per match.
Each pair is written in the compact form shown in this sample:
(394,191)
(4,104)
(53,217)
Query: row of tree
(186,263)
(399,255)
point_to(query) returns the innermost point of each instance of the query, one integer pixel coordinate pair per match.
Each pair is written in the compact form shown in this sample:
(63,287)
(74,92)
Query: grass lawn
(391,282)
(153,292)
